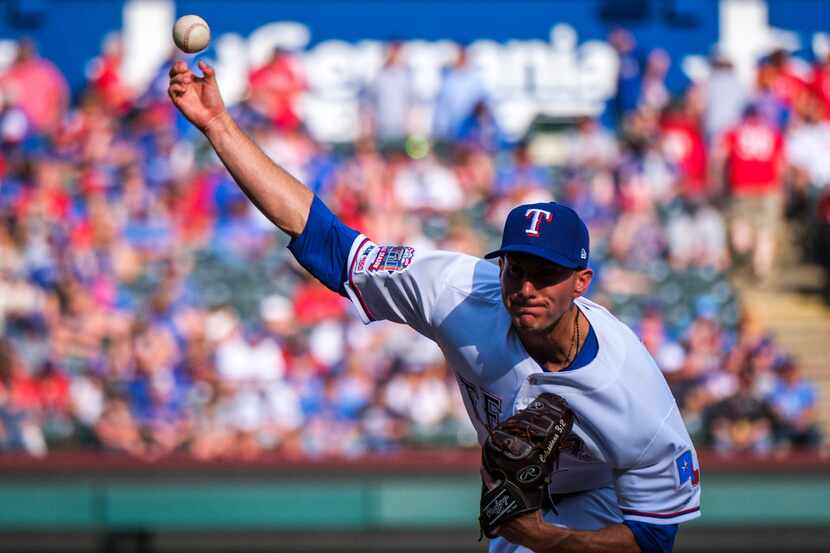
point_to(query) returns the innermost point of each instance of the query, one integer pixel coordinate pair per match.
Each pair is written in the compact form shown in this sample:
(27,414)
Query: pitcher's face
(536,292)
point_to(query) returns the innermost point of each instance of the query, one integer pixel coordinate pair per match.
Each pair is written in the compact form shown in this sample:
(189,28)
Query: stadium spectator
(654,95)
(638,236)
(668,354)
(427,185)
(819,85)
(276,87)
(786,82)
(630,73)
(462,93)
(474,168)
(591,146)
(644,161)
(157,390)
(15,126)
(105,76)
(794,401)
(117,430)
(391,99)
(521,173)
(696,236)
(480,129)
(725,97)
(753,152)
(742,423)
(37,87)
(683,145)
(772,107)
(808,176)
(806,147)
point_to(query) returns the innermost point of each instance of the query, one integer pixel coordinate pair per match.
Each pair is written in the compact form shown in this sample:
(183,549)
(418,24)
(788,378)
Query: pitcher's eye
(514,271)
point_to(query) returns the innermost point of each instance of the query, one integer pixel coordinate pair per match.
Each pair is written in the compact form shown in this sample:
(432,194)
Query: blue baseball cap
(548,230)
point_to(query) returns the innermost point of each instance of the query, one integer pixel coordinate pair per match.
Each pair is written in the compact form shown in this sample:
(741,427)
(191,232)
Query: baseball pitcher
(583,446)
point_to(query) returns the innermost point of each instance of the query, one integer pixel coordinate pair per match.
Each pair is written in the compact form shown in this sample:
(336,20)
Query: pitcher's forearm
(612,539)
(278,195)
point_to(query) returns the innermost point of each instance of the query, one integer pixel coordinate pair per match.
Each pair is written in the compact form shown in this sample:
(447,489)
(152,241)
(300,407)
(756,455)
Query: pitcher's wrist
(218,124)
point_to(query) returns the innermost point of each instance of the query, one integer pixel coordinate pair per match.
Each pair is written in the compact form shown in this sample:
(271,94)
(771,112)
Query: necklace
(574,341)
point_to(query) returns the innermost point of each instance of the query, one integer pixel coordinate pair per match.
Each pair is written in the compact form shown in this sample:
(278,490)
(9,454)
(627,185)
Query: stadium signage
(524,78)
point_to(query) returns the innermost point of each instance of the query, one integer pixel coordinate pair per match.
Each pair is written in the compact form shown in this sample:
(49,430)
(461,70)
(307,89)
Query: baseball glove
(518,458)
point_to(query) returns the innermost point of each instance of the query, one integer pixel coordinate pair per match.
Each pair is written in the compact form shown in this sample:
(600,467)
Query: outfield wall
(376,504)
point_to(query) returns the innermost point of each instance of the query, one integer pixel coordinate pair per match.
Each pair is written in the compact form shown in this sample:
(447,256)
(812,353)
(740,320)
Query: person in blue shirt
(794,401)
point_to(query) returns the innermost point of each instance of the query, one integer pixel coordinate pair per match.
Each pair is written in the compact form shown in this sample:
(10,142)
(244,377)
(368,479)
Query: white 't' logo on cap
(536,216)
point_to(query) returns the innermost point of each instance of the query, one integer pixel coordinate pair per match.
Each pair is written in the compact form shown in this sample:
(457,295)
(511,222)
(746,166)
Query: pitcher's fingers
(178,67)
(207,70)
(177,90)
(182,78)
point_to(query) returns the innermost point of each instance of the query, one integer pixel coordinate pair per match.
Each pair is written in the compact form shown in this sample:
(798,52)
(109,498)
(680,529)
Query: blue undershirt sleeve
(653,538)
(323,247)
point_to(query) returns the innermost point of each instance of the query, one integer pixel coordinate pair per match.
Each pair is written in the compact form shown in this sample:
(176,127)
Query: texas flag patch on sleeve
(686,469)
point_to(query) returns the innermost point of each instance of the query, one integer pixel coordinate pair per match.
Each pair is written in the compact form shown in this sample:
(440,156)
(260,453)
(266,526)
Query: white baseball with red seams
(191,34)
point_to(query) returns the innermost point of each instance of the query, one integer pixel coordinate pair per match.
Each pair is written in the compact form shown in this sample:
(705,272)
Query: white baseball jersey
(637,460)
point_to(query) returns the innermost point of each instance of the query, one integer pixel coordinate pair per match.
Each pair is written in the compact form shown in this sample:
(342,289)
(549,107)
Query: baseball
(191,33)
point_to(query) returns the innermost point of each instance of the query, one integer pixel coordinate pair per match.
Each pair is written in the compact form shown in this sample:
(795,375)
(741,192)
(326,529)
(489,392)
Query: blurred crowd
(147,307)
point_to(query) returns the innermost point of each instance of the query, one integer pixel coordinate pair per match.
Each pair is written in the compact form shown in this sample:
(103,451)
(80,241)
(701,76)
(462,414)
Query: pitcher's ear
(582,282)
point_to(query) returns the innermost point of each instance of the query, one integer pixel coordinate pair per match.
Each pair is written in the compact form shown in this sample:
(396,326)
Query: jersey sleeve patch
(365,257)
(388,282)
(365,249)
(388,258)
(687,471)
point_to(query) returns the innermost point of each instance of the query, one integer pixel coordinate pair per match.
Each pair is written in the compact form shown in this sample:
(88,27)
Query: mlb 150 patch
(392,258)
(366,257)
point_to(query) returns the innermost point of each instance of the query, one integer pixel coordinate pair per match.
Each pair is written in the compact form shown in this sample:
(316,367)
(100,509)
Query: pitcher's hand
(198,98)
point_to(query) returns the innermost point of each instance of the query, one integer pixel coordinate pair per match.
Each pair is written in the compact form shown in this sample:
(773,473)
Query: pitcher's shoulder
(474,277)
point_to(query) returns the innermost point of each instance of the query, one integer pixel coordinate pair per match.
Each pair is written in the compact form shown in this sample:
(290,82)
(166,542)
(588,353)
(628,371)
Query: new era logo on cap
(549,230)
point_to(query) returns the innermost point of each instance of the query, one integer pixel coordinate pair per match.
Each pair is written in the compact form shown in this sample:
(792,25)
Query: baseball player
(510,332)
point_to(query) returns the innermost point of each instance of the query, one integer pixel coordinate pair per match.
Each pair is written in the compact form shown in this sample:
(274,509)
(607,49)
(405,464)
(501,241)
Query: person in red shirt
(753,152)
(106,79)
(682,142)
(786,83)
(820,85)
(276,87)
